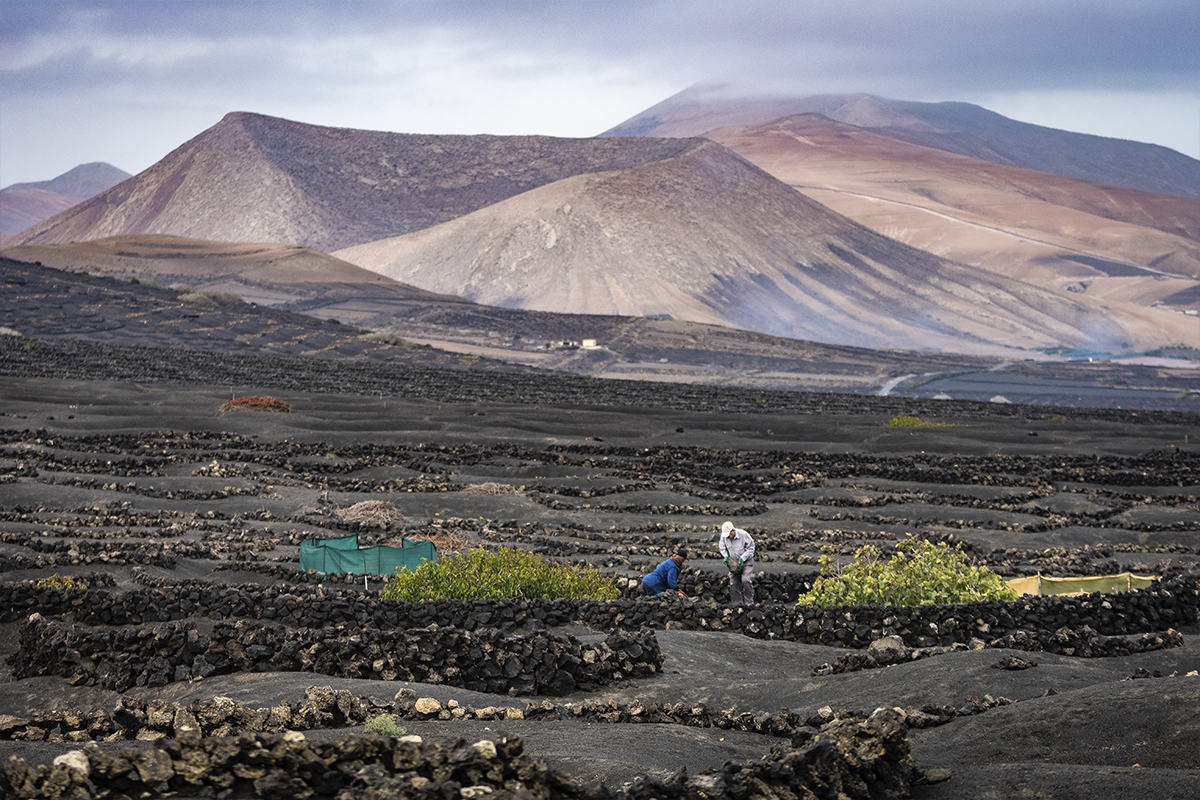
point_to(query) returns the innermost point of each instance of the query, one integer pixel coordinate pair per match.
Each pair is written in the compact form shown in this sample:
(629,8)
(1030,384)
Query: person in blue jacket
(665,575)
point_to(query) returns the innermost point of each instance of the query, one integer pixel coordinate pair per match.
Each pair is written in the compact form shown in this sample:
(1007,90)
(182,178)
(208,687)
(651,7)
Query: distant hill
(68,302)
(272,275)
(707,237)
(26,204)
(1056,232)
(258,178)
(960,128)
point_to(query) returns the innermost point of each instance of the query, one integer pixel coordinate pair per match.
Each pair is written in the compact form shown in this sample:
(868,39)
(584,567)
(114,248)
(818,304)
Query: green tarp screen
(343,554)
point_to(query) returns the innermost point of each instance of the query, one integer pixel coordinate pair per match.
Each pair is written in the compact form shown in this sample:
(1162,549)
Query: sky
(127,81)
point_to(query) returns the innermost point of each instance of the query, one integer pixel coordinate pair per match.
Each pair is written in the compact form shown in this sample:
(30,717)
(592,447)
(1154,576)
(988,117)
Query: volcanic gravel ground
(68,307)
(149,483)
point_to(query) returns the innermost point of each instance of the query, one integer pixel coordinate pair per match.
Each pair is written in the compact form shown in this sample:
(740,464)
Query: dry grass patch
(372,512)
(491,487)
(256,403)
(444,541)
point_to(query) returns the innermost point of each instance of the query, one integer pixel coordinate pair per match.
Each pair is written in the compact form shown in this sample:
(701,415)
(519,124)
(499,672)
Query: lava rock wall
(483,660)
(868,759)
(1164,605)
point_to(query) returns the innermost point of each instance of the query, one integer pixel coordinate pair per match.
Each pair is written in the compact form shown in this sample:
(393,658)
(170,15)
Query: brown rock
(427,705)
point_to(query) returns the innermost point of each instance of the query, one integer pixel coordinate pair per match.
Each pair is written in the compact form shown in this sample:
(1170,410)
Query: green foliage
(481,575)
(903,421)
(57,581)
(921,573)
(384,725)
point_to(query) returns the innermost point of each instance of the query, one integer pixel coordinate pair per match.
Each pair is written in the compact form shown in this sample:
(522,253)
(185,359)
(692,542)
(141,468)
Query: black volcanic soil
(107,451)
(81,317)
(1081,493)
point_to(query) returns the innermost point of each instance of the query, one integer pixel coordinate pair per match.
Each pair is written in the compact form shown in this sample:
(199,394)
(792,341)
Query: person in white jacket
(737,551)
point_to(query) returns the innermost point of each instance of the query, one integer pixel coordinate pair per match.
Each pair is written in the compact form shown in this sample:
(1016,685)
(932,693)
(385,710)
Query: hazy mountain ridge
(81,182)
(960,128)
(257,178)
(1024,223)
(25,204)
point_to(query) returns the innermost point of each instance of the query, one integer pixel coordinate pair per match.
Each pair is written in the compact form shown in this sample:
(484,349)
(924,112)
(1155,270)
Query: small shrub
(57,581)
(206,297)
(921,573)
(903,421)
(481,575)
(256,404)
(384,725)
(383,337)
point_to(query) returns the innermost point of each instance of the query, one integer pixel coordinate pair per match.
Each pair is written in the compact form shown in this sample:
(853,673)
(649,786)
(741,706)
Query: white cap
(726,527)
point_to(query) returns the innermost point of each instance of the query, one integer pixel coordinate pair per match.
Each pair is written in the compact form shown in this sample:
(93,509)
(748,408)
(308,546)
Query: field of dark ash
(197,641)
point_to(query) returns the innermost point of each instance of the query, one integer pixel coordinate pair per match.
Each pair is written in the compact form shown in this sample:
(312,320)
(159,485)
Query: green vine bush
(482,575)
(906,421)
(57,581)
(921,573)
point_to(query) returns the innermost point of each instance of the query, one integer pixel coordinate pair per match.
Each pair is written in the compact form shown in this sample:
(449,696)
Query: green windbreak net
(1043,584)
(343,555)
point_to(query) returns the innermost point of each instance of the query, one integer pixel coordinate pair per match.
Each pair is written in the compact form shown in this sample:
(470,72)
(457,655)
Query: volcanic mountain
(679,228)
(25,204)
(708,237)
(254,178)
(1059,233)
(959,128)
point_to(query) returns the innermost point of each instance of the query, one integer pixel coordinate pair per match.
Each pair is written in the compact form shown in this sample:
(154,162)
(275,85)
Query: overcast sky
(126,81)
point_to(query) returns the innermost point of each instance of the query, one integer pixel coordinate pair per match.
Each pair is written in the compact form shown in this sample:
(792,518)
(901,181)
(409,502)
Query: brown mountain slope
(959,128)
(707,237)
(258,178)
(25,204)
(1054,231)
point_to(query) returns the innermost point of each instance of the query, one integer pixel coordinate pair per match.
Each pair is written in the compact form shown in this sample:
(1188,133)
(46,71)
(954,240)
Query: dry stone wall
(324,707)
(1164,605)
(483,660)
(846,758)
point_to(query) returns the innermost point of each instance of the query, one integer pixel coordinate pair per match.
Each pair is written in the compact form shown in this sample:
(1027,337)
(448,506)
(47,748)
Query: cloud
(562,67)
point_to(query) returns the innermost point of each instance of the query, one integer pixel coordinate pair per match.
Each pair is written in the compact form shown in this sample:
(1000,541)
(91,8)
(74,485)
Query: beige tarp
(1044,584)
